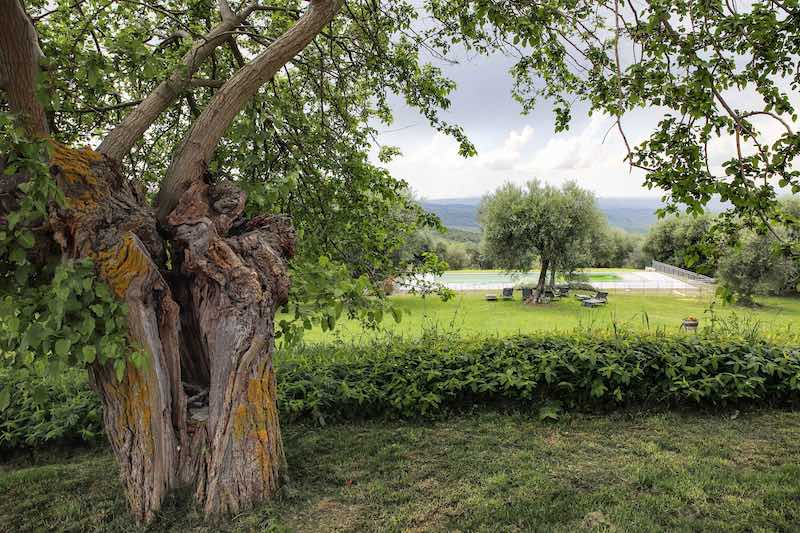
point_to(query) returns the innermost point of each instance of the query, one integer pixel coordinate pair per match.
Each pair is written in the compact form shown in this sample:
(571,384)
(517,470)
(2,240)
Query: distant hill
(635,215)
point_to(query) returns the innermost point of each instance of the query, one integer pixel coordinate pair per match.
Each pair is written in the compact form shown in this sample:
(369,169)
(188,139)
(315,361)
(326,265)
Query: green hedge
(42,410)
(429,376)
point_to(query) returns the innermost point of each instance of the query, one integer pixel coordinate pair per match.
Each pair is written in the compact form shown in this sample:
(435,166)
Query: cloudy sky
(517,148)
(510,146)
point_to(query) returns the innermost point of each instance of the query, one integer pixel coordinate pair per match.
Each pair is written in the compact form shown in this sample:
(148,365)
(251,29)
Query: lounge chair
(549,295)
(600,298)
(598,295)
(508,293)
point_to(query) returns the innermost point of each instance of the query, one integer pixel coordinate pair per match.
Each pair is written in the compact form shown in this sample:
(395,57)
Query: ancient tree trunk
(235,284)
(203,412)
(106,220)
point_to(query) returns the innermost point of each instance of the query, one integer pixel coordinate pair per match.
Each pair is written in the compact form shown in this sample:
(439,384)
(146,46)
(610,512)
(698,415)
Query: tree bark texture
(19,65)
(203,412)
(538,294)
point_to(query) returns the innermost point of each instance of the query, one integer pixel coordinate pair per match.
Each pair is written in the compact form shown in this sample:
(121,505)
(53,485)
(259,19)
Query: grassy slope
(484,472)
(469,313)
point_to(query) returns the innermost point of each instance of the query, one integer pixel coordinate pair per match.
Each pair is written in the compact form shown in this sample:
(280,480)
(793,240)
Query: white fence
(681,273)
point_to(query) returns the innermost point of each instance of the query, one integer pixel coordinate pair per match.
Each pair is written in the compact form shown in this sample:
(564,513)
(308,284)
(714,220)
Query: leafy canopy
(300,147)
(541,221)
(693,63)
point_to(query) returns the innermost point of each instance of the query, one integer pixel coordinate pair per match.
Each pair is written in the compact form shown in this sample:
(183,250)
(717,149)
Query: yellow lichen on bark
(75,165)
(255,421)
(240,421)
(123,263)
(133,394)
(261,420)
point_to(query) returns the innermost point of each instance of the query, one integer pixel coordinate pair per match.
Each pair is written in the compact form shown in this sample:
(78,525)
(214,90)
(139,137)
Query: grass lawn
(469,313)
(488,471)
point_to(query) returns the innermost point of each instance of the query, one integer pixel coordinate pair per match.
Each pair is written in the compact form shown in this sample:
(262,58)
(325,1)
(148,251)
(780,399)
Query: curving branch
(121,139)
(192,157)
(20,56)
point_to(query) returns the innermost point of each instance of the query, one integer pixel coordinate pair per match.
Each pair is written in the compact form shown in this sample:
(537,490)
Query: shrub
(36,410)
(426,376)
(434,374)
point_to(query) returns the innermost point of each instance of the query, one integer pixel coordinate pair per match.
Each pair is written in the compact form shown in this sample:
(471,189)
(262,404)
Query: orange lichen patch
(255,426)
(75,163)
(133,396)
(85,191)
(240,421)
(123,263)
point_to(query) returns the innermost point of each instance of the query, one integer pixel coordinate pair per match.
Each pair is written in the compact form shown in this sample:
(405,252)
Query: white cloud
(510,153)
(434,169)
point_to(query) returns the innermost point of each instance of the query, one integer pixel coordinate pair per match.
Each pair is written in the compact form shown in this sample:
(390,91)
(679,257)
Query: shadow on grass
(487,471)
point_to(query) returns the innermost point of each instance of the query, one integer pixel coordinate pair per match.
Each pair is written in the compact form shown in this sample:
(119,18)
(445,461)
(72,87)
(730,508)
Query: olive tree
(538,221)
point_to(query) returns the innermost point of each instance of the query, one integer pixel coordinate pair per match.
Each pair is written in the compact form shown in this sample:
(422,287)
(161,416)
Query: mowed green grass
(488,471)
(470,314)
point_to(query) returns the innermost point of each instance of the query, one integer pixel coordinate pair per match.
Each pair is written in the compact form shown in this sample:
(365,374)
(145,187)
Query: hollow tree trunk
(203,412)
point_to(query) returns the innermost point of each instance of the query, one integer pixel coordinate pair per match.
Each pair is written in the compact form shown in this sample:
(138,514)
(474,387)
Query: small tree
(684,241)
(522,224)
(755,266)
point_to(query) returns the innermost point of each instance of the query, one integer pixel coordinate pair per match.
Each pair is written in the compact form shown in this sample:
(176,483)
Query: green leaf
(87,326)
(5,398)
(13,219)
(26,239)
(62,347)
(119,369)
(89,354)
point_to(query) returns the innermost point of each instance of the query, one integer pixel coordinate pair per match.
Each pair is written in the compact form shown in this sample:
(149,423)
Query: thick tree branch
(197,148)
(121,139)
(20,56)
(225,10)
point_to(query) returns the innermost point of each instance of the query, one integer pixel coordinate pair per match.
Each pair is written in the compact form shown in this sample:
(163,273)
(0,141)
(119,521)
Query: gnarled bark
(229,276)
(237,282)
(203,411)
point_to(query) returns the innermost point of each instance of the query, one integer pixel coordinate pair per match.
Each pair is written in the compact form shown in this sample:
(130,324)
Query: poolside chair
(598,295)
(508,293)
(600,298)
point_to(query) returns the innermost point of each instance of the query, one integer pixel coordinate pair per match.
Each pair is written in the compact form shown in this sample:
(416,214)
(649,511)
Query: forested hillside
(635,215)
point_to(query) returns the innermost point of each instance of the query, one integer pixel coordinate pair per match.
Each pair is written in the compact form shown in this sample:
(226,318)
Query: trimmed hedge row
(429,376)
